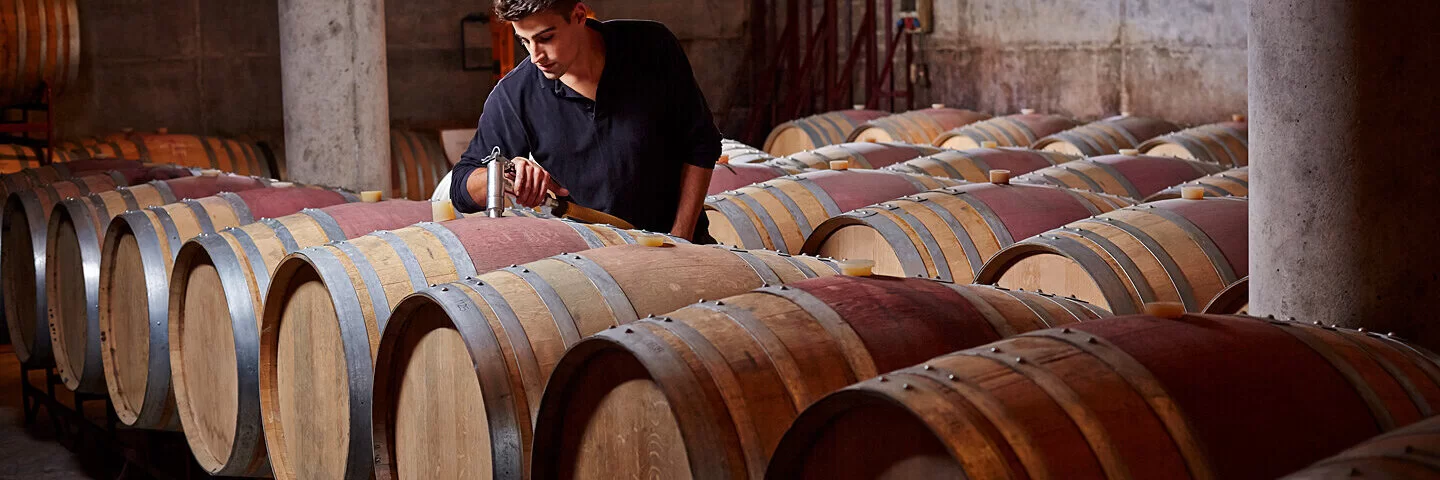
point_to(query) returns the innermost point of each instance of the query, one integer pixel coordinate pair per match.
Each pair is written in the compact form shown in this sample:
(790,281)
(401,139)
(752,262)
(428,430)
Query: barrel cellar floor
(33,453)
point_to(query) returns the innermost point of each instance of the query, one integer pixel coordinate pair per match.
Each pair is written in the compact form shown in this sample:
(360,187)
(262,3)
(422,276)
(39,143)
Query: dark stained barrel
(1405,454)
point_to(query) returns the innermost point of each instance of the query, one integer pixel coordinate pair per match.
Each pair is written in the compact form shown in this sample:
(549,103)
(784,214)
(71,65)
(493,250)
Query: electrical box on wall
(917,16)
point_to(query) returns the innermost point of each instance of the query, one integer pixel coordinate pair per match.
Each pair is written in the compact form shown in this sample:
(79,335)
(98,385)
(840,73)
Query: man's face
(552,39)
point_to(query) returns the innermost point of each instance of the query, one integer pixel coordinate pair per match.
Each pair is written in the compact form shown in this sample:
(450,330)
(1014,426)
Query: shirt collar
(558,87)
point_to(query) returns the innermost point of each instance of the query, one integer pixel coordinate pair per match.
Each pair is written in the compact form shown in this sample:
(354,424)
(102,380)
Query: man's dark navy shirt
(622,153)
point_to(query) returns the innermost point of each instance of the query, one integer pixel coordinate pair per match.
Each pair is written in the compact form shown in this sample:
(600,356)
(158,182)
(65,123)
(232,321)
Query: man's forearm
(694,182)
(477,186)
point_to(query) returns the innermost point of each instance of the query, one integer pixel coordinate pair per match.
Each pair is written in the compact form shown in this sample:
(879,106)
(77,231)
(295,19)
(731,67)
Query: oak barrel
(949,233)
(780,214)
(327,306)
(974,165)
(534,311)
(1226,144)
(916,126)
(39,46)
(15,158)
(216,295)
(23,259)
(741,153)
(730,176)
(1230,183)
(1198,396)
(244,158)
(708,390)
(1183,251)
(858,154)
(1234,299)
(417,163)
(1134,176)
(54,172)
(1105,137)
(1019,130)
(816,131)
(1405,454)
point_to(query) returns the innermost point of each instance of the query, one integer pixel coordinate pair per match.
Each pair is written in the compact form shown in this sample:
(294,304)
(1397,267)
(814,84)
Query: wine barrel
(15,158)
(1226,144)
(859,155)
(708,390)
(1234,299)
(917,126)
(1229,183)
(54,172)
(1405,454)
(224,154)
(327,306)
(1197,396)
(23,259)
(417,163)
(1105,137)
(107,146)
(816,131)
(1008,131)
(71,254)
(974,165)
(218,286)
(1134,176)
(779,214)
(39,46)
(538,310)
(741,153)
(949,233)
(76,281)
(1183,251)
(730,176)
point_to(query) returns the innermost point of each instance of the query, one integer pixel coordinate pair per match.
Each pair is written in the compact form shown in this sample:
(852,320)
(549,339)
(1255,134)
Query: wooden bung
(1027,111)
(1166,310)
(857,268)
(328,305)
(723,160)
(1000,177)
(442,211)
(1192,193)
(1127,397)
(370,196)
(708,390)
(839,164)
(989,144)
(1129,152)
(522,320)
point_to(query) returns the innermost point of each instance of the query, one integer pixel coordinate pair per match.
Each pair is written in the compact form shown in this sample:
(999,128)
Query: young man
(609,111)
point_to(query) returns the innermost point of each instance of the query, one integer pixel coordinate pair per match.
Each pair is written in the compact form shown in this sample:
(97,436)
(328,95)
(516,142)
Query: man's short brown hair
(514,10)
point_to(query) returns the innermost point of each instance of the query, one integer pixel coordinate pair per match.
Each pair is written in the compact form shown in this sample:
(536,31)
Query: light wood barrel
(417,163)
(107,146)
(1199,396)
(1226,144)
(742,153)
(1136,177)
(135,261)
(1229,183)
(23,260)
(708,390)
(916,126)
(1234,299)
(859,154)
(39,45)
(67,265)
(72,258)
(727,177)
(1183,251)
(224,154)
(1405,454)
(218,286)
(949,233)
(1105,137)
(1020,130)
(17,158)
(816,131)
(974,165)
(327,306)
(780,214)
(535,311)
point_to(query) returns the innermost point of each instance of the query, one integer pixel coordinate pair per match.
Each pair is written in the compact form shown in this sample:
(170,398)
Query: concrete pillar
(336,93)
(1345,158)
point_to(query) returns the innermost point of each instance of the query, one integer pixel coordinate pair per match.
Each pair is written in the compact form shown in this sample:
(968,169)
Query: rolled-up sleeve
(690,113)
(500,126)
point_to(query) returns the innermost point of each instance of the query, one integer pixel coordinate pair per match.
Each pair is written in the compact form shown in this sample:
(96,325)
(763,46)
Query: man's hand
(530,183)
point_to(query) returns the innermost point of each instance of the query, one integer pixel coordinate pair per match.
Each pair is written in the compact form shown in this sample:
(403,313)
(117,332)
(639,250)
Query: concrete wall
(213,66)
(1183,60)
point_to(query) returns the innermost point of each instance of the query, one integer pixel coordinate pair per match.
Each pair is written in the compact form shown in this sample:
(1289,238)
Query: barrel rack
(20,131)
(150,454)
